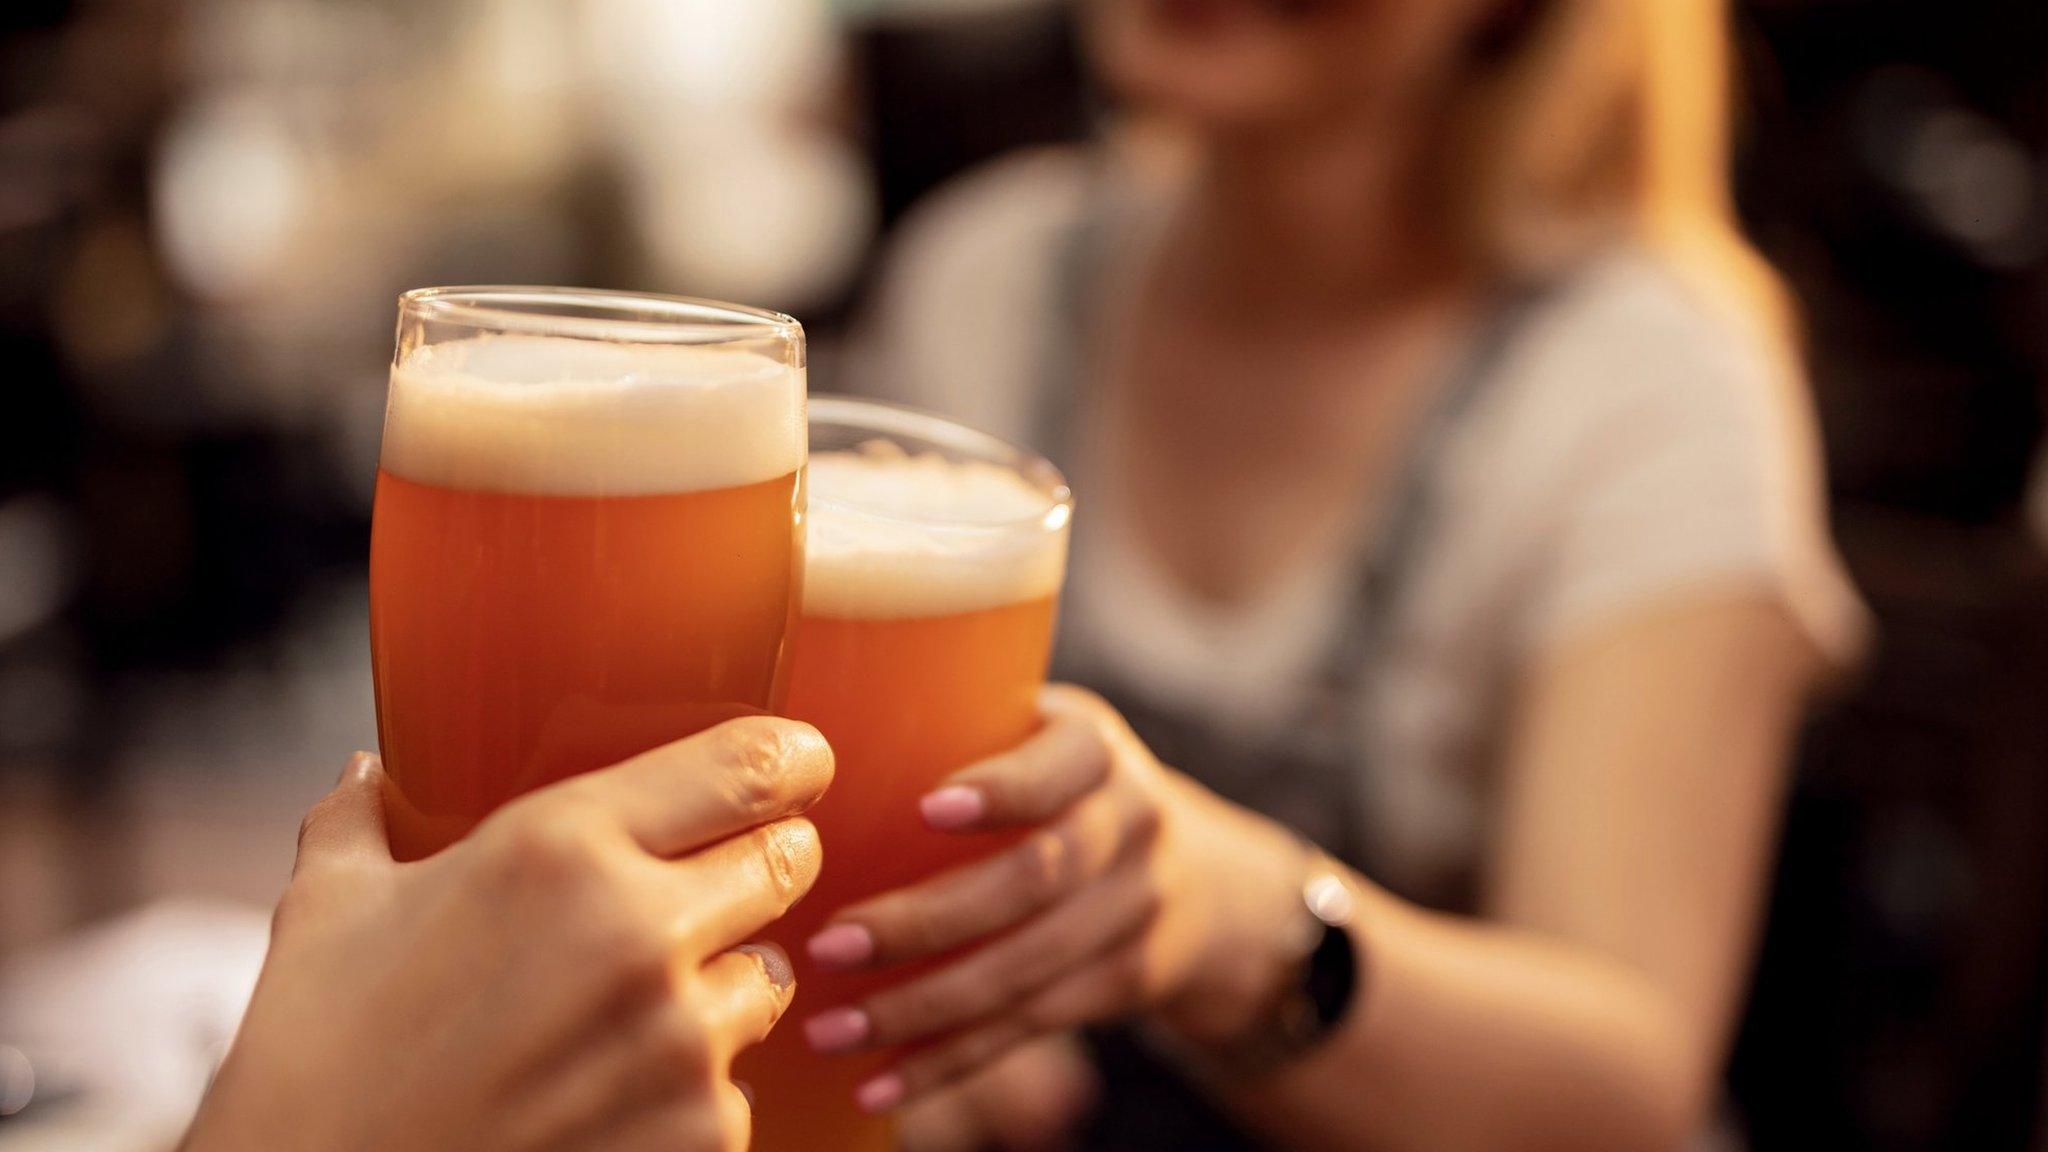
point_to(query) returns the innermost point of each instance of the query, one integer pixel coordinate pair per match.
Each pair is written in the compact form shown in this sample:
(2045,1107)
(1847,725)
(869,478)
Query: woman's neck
(1337,213)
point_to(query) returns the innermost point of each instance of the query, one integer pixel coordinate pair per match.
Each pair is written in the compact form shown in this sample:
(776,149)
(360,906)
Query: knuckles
(550,865)
(789,856)
(545,848)
(934,1003)
(770,767)
(1047,864)
(906,928)
(1097,759)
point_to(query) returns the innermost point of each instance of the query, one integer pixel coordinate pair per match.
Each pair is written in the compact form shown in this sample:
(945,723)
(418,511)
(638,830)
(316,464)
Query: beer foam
(553,416)
(895,536)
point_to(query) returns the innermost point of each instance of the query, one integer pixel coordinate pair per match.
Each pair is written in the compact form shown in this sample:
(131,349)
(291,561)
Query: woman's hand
(565,977)
(1141,892)
(1032,1100)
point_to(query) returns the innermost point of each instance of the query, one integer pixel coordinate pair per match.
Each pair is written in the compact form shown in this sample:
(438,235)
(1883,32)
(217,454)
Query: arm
(1643,777)
(1644,773)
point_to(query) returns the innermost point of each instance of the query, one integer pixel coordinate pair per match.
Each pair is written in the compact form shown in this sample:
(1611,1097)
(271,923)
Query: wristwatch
(1325,984)
(1323,987)
(1328,984)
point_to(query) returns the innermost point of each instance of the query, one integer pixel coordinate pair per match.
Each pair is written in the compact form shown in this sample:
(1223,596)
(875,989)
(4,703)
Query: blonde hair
(1606,117)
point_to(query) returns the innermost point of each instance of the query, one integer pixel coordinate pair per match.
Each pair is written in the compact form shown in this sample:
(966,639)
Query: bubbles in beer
(896,535)
(548,415)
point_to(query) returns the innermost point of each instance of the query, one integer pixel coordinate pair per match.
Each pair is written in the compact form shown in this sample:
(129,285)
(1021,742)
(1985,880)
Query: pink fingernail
(880,1094)
(954,807)
(842,946)
(837,1030)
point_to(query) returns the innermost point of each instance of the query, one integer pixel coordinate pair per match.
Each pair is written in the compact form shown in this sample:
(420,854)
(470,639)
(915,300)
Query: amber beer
(935,557)
(586,539)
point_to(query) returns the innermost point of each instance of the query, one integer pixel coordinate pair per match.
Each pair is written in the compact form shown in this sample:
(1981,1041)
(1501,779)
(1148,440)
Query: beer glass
(934,560)
(587,537)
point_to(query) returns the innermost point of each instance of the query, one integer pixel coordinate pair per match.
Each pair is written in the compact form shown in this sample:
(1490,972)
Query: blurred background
(207,208)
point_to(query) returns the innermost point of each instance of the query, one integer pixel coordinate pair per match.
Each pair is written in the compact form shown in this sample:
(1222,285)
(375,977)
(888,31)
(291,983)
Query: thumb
(348,822)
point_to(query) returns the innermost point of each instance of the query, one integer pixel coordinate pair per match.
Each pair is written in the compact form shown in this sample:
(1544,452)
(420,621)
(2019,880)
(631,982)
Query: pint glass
(935,558)
(587,537)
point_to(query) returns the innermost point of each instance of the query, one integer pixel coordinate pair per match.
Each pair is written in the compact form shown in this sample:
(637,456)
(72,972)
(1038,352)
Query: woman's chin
(1235,72)
(1205,95)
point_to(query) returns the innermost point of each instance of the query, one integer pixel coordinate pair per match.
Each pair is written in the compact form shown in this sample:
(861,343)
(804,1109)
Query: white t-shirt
(1635,446)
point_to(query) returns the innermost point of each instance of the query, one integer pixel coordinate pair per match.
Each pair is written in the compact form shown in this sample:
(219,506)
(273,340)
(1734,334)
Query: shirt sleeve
(1688,464)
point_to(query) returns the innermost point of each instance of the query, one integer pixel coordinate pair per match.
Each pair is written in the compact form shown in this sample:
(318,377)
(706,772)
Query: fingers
(990,981)
(944,1122)
(1029,784)
(664,1083)
(1102,990)
(697,790)
(746,990)
(1035,1097)
(721,1121)
(730,891)
(735,1116)
(985,897)
(348,822)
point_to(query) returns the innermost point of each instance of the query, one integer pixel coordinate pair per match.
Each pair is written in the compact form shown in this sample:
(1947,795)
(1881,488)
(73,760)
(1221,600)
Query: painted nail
(774,963)
(880,1094)
(842,946)
(953,808)
(837,1030)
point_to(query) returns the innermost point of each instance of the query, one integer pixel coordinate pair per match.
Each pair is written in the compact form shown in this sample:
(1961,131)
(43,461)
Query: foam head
(556,416)
(893,535)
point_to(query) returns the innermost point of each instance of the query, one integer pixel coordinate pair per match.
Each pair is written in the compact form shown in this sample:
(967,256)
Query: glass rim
(597,314)
(885,418)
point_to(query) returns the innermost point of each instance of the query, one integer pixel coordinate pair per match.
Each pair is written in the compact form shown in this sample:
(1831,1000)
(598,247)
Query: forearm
(1639,795)
(1473,1036)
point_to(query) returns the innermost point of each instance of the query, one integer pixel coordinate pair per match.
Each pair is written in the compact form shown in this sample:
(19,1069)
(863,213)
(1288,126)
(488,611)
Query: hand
(1031,1100)
(1141,893)
(566,976)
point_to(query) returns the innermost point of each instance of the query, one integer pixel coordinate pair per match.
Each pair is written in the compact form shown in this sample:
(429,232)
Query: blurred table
(122,1025)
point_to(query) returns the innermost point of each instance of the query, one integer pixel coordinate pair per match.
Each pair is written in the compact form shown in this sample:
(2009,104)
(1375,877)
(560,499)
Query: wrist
(1288,995)
(1256,939)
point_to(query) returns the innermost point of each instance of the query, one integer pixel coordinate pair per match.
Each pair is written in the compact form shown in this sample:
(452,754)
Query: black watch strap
(1320,994)
(1330,973)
